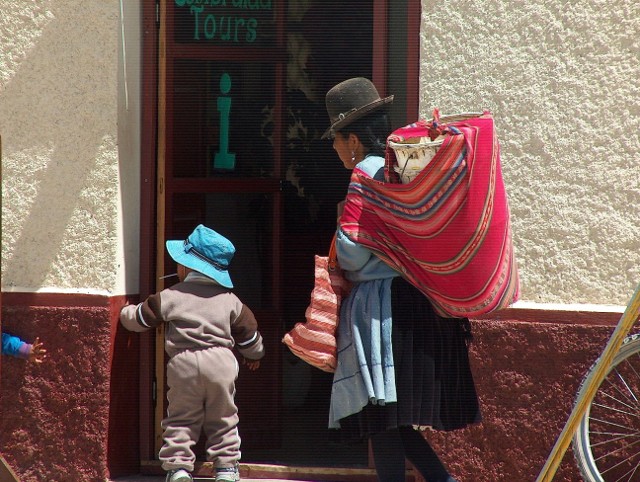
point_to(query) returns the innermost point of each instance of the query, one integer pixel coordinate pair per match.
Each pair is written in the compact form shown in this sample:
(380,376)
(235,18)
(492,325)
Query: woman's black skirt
(434,383)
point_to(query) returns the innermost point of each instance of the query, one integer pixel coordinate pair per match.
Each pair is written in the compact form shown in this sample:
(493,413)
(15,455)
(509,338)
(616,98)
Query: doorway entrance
(240,111)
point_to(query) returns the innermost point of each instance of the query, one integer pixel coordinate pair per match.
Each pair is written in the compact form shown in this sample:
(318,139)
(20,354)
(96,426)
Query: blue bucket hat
(205,251)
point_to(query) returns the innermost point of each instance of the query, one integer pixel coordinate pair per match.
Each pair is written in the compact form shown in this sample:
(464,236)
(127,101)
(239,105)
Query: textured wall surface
(54,417)
(58,122)
(527,377)
(563,81)
(69,122)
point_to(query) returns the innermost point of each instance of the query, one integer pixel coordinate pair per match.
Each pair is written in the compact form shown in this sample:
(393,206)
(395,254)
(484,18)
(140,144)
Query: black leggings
(392,447)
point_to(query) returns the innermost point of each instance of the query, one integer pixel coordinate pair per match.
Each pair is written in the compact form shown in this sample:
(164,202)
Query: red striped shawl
(448,230)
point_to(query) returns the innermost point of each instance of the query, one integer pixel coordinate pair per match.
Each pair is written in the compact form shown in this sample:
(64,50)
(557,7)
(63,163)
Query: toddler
(203,321)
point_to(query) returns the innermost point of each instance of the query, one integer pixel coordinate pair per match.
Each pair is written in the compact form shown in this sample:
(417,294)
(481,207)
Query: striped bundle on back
(448,230)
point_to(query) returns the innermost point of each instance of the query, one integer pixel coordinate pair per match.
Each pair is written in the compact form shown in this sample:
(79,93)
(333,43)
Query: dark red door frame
(381,52)
(148,156)
(414,13)
(380,42)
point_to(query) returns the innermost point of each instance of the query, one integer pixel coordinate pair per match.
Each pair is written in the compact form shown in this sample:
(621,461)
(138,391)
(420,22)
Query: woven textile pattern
(448,230)
(315,341)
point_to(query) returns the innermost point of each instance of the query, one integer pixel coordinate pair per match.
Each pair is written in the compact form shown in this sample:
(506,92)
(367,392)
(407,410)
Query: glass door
(219,164)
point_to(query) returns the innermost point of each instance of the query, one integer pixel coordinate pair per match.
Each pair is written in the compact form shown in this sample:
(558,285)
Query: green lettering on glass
(225,35)
(252,4)
(224,159)
(252,26)
(215,3)
(197,11)
(226,28)
(209,27)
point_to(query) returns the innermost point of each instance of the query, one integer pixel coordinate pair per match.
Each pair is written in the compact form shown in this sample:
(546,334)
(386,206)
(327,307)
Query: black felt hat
(350,100)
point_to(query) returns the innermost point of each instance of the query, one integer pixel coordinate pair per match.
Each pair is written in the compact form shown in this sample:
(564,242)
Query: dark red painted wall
(527,376)
(62,417)
(79,413)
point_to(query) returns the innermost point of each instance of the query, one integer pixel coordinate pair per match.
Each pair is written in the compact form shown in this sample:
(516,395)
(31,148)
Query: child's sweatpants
(201,397)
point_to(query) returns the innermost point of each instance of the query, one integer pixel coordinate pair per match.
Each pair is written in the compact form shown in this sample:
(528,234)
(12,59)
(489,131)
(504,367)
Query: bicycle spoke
(613,409)
(629,391)
(605,422)
(607,445)
(627,394)
(631,472)
(618,465)
(616,439)
(618,450)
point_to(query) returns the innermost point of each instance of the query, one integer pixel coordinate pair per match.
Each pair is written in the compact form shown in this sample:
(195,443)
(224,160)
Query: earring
(353,156)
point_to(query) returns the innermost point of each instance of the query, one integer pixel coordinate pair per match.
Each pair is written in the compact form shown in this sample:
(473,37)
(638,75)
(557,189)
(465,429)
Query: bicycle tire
(606,444)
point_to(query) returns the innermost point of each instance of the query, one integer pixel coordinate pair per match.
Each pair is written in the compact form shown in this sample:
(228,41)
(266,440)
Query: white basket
(413,155)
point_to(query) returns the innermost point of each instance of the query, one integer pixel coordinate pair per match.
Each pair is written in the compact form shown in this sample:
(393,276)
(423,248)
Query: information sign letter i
(224,159)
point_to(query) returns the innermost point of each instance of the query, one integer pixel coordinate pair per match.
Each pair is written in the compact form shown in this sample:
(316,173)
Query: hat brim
(358,114)
(178,254)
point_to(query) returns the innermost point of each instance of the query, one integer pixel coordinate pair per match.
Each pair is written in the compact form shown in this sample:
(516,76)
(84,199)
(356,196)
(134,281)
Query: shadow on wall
(58,116)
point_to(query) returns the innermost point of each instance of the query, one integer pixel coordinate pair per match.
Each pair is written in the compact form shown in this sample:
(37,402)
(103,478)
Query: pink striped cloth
(448,230)
(315,340)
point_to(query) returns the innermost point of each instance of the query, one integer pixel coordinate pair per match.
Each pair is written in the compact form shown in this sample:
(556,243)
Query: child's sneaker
(227,474)
(178,475)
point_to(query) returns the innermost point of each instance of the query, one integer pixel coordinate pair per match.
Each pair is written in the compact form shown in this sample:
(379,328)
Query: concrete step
(267,473)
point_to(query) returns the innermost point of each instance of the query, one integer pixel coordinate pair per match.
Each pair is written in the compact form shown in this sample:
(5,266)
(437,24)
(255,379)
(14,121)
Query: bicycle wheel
(606,444)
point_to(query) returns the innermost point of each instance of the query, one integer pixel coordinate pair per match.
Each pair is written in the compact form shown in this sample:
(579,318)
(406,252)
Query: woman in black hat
(401,366)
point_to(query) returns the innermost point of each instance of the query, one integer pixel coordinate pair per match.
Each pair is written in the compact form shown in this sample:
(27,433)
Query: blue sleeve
(351,256)
(11,345)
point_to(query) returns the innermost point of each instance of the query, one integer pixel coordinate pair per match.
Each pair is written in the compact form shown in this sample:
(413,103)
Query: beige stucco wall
(69,121)
(563,82)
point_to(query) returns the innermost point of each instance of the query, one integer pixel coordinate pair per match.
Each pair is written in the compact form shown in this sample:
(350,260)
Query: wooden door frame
(160,218)
(153,49)
(380,70)
(414,14)
(148,157)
